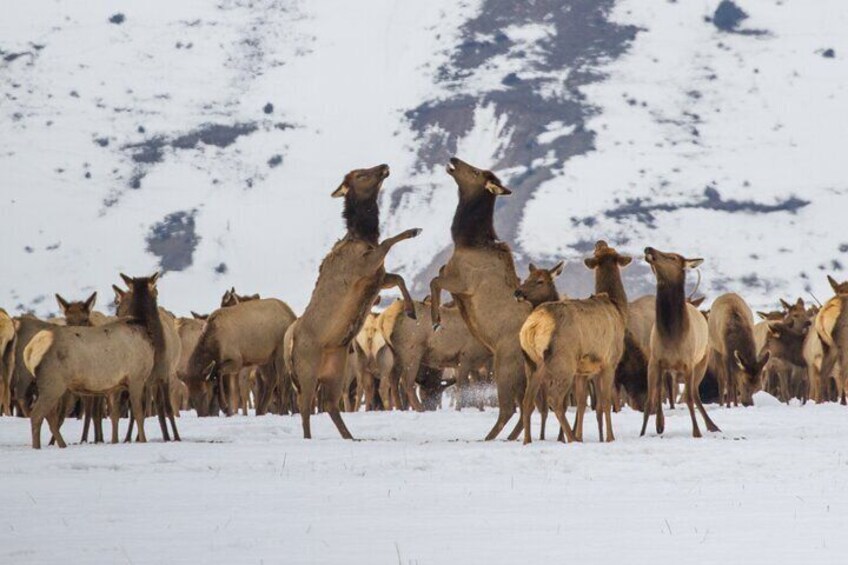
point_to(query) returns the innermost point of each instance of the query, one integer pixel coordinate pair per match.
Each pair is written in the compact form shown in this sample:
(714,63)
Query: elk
(831,325)
(164,385)
(231,298)
(785,374)
(679,340)
(568,342)
(98,360)
(236,337)
(349,279)
(480,276)
(22,384)
(7,361)
(189,330)
(372,362)
(738,365)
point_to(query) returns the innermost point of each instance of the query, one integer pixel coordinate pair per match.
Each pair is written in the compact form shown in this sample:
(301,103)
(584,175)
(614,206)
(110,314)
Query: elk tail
(36,349)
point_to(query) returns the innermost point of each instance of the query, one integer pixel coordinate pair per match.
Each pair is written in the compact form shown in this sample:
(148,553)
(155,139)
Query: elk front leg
(449,283)
(377,255)
(391,280)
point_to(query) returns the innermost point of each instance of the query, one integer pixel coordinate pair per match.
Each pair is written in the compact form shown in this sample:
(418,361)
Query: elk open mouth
(451,166)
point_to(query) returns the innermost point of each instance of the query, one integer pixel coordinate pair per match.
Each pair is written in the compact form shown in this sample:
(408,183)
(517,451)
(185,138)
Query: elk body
(481,278)
(737,363)
(373,364)
(97,360)
(831,325)
(7,361)
(679,340)
(414,344)
(349,280)
(568,342)
(164,385)
(785,374)
(233,338)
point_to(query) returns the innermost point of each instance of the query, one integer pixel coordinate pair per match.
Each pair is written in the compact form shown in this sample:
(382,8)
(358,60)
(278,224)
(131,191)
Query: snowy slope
(205,138)
(423,488)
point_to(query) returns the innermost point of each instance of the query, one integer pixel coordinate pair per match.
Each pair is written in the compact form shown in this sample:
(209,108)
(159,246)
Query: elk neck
(362,218)
(473,222)
(671,307)
(608,280)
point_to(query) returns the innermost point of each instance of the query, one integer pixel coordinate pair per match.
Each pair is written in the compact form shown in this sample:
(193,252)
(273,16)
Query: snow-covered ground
(422,488)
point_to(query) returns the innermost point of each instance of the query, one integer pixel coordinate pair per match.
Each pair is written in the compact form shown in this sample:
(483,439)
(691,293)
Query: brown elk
(164,386)
(832,329)
(235,337)
(7,361)
(481,277)
(98,360)
(349,279)
(738,365)
(231,298)
(679,340)
(568,342)
(785,374)
(22,384)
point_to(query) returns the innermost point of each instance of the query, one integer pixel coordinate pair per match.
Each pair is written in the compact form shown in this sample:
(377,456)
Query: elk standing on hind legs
(679,340)
(481,277)
(568,342)
(349,280)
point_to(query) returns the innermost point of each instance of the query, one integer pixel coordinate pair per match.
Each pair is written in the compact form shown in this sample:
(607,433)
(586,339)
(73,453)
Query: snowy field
(423,488)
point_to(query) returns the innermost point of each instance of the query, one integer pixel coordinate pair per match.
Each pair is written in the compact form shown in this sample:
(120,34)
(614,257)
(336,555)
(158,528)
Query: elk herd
(535,348)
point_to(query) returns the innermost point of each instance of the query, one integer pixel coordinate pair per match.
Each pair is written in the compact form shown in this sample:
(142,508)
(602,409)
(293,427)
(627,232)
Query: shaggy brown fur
(481,277)
(349,279)
(679,340)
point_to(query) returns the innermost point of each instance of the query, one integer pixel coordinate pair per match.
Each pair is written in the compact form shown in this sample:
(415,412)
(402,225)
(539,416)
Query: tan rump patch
(36,349)
(387,319)
(826,320)
(536,334)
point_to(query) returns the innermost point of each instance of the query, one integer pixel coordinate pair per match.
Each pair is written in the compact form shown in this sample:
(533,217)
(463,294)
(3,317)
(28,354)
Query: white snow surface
(423,488)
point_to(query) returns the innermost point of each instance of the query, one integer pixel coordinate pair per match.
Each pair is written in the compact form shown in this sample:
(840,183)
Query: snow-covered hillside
(205,138)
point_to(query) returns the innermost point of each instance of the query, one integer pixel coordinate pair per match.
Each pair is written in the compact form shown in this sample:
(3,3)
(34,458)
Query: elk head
(77,313)
(751,370)
(669,267)
(473,181)
(539,286)
(362,184)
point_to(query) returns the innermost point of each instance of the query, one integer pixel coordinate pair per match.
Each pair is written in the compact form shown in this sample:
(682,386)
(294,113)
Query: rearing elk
(349,280)
(481,277)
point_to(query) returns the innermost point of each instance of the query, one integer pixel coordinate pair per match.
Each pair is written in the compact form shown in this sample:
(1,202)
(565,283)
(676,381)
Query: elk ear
(89,304)
(497,188)
(533,268)
(800,303)
(591,262)
(785,304)
(833,284)
(692,263)
(119,294)
(624,260)
(151,282)
(127,280)
(209,371)
(197,316)
(762,315)
(556,270)
(375,303)
(63,304)
(341,191)
(776,328)
(696,302)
